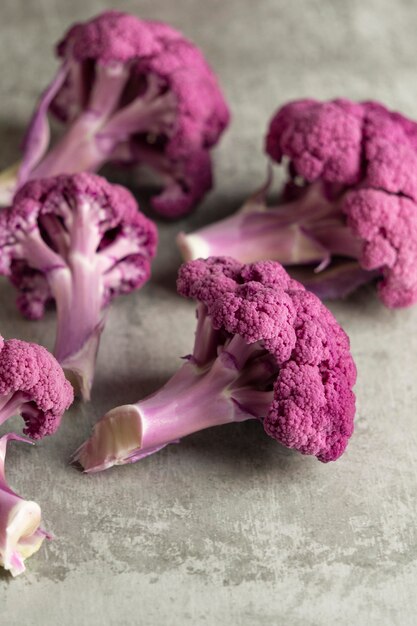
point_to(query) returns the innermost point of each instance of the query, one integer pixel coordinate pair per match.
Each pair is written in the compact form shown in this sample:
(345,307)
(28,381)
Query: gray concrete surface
(229,527)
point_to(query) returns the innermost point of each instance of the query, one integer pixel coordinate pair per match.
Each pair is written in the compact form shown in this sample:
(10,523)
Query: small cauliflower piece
(265,348)
(33,385)
(78,241)
(21,534)
(349,209)
(134,92)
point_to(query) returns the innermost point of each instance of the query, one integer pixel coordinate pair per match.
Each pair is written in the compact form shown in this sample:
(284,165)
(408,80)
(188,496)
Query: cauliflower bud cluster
(265,348)
(370,155)
(133,92)
(33,385)
(76,241)
(348,214)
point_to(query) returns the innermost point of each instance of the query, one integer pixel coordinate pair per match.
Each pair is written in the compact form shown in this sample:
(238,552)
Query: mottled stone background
(228,527)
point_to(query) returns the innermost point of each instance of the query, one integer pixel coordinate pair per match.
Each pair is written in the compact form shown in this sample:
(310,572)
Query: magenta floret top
(314,405)
(31,377)
(370,153)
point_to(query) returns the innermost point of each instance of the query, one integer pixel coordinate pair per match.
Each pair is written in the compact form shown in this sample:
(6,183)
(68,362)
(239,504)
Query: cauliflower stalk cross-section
(21,534)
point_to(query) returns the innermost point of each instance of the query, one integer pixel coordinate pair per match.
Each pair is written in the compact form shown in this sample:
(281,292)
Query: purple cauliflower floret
(323,140)
(265,348)
(133,92)
(79,241)
(387,226)
(349,210)
(33,385)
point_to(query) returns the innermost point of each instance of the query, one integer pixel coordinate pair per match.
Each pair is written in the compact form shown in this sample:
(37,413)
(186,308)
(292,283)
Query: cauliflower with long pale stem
(128,91)
(265,349)
(349,209)
(79,241)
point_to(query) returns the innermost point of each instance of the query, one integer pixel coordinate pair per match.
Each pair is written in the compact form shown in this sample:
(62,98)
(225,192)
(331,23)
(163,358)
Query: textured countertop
(228,527)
